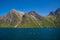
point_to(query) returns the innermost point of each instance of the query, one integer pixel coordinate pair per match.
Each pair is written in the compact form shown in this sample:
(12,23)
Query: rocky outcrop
(35,14)
(10,17)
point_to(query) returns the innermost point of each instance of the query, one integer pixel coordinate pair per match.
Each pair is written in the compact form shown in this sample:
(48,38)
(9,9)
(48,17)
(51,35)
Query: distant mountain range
(18,19)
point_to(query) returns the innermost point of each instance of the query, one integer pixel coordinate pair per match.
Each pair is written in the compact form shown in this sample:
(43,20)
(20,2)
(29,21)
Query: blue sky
(43,7)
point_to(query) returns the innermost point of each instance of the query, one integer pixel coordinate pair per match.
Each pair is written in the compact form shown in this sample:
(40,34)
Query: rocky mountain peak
(52,13)
(57,12)
(35,14)
(32,12)
(17,12)
(58,9)
(13,11)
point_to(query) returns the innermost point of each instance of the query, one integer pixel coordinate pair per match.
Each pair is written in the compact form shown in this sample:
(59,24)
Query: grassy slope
(29,22)
(57,21)
(49,21)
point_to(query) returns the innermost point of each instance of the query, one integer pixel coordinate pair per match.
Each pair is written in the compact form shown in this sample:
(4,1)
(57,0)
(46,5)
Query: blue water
(29,33)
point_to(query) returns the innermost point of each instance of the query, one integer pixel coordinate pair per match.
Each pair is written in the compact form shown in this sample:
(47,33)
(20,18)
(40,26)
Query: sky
(42,7)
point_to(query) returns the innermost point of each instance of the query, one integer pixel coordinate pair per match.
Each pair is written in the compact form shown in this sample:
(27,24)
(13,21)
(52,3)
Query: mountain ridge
(32,19)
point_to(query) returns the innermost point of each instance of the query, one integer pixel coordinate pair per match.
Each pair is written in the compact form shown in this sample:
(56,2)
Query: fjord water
(29,33)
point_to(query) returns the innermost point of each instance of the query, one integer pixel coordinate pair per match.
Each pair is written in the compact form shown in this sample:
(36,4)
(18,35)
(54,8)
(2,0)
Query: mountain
(57,20)
(36,15)
(11,18)
(56,17)
(19,19)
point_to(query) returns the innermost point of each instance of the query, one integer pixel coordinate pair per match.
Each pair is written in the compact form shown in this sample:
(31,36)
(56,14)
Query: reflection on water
(29,33)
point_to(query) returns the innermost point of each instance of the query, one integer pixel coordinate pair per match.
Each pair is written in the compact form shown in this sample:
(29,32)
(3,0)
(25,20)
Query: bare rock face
(19,13)
(33,13)
(10,17)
